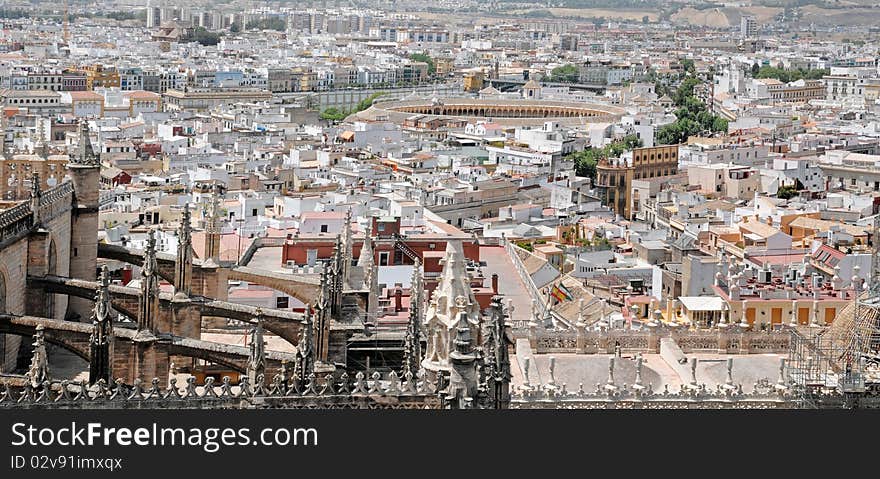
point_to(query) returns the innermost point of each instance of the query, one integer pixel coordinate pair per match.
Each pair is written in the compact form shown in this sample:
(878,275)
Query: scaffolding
(836,366)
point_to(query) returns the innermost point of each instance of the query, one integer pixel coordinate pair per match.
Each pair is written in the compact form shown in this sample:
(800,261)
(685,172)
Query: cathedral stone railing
(56,201)
(526,278)
(314,393)
(765,395)
(15,221)
(19,219)
(581,341)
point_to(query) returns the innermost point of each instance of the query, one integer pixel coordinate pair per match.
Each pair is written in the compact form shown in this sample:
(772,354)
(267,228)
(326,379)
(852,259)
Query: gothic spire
(85,155)
(412,341)
(100,341)
(148,307)
(183,265)
(367,266)
(498,357)
(38,373)
(257,361)
(347,245)
(212,230)
(452,297)
(304,353)
(36,196)
(463,378)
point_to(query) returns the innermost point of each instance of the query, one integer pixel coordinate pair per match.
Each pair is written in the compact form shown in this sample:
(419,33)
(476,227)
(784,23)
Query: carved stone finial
(611,371)
(101,338)
(38,372)
(183,263)
(452,305)
(148,306)
(729,380)
(85,154)
(638,381)
(36,196)
(257,358)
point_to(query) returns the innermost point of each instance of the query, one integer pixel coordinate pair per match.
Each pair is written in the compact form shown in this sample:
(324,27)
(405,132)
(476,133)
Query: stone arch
(26,334)
(80,353)
(304,291)
(209,356)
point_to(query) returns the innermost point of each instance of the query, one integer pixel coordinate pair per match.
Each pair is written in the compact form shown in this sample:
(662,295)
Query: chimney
(495,283)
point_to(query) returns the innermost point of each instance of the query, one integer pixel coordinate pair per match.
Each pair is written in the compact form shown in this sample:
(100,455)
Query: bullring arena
(508,112)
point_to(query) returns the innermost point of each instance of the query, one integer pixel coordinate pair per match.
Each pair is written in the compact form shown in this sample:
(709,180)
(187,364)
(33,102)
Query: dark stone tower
(101,339)
(84,169)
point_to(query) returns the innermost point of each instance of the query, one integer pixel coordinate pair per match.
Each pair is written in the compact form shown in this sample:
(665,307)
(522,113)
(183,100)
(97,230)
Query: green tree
(685,90)
(203,36)
(688,65)
(367,102)
(421,57)
(525,245)
(786,192)
(333,114)
(790,75)
(692,116)
(271,23)
(585,161)
(565,74)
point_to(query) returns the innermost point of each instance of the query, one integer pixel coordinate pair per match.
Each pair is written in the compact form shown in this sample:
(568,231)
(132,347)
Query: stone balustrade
(581,341)
(320,393)
(15,222)
(764,394)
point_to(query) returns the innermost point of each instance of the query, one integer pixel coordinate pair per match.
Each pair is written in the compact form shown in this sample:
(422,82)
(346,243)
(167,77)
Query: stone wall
(13,259)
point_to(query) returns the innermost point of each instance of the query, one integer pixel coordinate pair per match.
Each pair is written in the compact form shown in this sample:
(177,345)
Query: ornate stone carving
(452,297)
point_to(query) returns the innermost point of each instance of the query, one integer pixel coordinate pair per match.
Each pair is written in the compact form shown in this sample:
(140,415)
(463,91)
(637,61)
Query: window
(380,226)
(254,212)
(323,228)
(282,302)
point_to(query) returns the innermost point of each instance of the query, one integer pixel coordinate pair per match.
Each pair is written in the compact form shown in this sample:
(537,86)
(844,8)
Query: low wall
(580,341)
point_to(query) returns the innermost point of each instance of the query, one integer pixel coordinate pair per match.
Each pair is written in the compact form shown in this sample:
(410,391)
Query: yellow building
(100,76)
(140,101)
(443,65)
(614,177)
(473,81)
